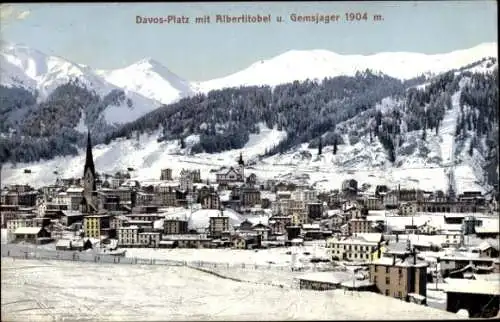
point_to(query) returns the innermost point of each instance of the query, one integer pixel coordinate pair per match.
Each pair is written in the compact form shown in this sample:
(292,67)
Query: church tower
(89,179)
(241,166)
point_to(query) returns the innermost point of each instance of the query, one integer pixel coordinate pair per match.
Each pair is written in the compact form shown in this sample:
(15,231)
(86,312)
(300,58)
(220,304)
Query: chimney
(393,260)
(414,257)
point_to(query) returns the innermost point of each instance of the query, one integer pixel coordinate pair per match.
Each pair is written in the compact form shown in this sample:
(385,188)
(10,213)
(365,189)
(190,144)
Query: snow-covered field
(48,290)
(278,256)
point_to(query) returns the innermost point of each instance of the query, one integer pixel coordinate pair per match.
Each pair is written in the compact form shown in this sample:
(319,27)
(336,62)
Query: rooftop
(459,285)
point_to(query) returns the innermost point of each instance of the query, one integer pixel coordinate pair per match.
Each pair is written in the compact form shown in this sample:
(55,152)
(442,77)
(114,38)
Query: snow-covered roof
(311,226)
(74,190)
(398,262)
(459,285)
(28,230)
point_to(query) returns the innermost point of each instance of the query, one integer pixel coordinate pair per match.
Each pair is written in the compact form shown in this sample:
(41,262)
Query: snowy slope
(150,79)
(318,64)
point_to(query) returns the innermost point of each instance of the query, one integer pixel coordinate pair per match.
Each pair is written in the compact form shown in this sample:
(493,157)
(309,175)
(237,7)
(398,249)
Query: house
(314,210)
(251,180)
(311,231)
(175,226)
(229,176)
(278,224)
(186,241)
(487,232)
(165,195)
(357,248)
(373,203)
(486,249)
(149,239)
(166,174)
(13,224)
(95,225)
(210,201)
(249,196)
(262,231)
(218,225)
(68,244)
(404,278)
(128,236)
(391,200)
(69,217)
(479,297)
(35,235)
(357,226)
(245,241)
(323,281)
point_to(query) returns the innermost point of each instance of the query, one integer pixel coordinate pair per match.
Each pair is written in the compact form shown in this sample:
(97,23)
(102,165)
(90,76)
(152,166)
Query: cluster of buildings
(397,240)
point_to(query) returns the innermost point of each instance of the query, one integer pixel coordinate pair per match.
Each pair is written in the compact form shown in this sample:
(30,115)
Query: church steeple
(89,164)
(240,161)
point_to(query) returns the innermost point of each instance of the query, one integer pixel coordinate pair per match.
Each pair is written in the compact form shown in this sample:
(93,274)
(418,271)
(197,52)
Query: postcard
(249,161)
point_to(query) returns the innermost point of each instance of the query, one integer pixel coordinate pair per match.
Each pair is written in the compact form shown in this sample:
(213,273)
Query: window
(387,280)
(400,295)
(387,269)
(387,292)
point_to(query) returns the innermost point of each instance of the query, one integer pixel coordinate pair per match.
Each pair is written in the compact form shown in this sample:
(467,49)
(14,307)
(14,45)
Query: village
(396,241)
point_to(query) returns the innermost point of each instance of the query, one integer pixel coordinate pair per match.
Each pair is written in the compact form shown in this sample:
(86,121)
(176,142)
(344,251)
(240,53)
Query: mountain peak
(149,62)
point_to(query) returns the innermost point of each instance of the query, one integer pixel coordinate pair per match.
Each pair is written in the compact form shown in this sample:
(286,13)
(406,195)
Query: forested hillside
(339,110)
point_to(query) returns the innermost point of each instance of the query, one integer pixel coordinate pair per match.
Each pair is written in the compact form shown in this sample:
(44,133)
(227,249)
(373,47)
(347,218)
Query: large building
(403,277)
(218,225)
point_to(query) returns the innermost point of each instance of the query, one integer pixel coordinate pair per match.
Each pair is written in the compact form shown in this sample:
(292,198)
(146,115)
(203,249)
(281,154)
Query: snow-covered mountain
(318,64)
(151,79)
(25,67)
(147,78)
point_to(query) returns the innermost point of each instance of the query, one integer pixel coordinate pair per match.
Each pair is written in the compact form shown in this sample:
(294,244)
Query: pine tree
(335,146)
(424,134)
(182,143)
(320,146)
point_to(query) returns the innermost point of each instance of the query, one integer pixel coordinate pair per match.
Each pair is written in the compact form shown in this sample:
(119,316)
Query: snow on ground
(41,290)
(278,256)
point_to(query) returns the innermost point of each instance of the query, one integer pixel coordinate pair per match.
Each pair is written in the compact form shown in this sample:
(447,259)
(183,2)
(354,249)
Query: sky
(107,36)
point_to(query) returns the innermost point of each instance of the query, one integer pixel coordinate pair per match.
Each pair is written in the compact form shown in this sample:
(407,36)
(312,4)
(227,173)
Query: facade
(249,197)
(31,234)
(229,176)
(166,174)
(175,226)
(95,225)
(401,278)
(314,210)
(210,201)
(149,239)
(218,225)
(128,236)
(13,224)
(353,248)
(359,226)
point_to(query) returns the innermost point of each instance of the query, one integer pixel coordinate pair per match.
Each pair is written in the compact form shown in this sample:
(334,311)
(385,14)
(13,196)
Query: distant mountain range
(149,84)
